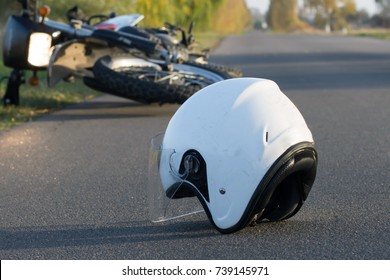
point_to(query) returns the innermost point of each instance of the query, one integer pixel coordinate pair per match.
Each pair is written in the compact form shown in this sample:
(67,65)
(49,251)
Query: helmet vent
(266,137)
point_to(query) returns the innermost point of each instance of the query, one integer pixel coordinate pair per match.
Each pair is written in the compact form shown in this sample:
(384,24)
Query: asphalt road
(73,183)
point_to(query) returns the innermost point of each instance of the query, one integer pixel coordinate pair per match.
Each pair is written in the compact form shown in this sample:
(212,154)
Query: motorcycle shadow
(110,107)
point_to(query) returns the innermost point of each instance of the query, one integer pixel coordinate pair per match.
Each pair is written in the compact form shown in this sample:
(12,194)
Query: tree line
(324,14)
(383,18)
(330,15)
(225,16)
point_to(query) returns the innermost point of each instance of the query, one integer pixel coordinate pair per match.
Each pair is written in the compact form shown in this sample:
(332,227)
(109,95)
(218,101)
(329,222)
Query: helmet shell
(240,127)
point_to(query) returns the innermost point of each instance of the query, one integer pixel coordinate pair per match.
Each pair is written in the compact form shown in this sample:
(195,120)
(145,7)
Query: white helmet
(243,149)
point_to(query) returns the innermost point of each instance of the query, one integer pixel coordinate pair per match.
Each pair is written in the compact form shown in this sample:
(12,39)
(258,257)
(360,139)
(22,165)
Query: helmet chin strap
(256,218)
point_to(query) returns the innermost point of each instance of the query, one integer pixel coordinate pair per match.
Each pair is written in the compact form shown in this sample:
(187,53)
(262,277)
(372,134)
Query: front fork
(11,96)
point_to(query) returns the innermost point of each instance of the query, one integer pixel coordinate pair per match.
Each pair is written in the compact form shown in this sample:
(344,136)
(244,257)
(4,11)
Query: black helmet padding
(284,188)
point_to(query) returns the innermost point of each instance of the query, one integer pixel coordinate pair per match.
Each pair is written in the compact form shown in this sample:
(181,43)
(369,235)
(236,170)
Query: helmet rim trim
(264,190)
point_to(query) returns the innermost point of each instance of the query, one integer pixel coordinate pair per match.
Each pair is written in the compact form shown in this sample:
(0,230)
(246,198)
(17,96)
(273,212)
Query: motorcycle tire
(147,84)
(231,71)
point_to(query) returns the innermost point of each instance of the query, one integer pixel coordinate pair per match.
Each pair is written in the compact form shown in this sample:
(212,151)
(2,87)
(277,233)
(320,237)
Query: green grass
(208,40)
(377,33)
(38,100)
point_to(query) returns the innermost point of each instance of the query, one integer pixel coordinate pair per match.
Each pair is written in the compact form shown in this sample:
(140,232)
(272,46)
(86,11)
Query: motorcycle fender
(74,58)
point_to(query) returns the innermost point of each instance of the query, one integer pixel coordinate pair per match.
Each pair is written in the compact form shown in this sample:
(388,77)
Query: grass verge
(208,40)
(38,100)
(377,33)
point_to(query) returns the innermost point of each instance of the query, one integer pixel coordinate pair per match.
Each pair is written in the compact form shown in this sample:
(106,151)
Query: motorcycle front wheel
(149,82)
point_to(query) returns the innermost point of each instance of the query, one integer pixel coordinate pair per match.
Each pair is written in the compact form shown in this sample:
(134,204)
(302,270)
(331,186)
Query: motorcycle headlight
(39,49)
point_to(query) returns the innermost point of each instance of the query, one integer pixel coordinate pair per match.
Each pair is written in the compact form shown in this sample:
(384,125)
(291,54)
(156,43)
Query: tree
(214,15)
(282,14)
(230,16)
(360,18)
(331,14)
(383,18)
(384,5)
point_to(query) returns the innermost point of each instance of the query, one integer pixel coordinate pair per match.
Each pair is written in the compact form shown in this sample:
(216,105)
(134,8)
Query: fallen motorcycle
(179,42)
(115,62)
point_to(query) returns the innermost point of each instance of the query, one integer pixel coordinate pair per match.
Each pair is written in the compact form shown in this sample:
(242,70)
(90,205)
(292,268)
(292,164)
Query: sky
(369,5)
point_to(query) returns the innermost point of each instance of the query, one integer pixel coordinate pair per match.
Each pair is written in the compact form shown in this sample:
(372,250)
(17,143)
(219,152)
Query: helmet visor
(170,195)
